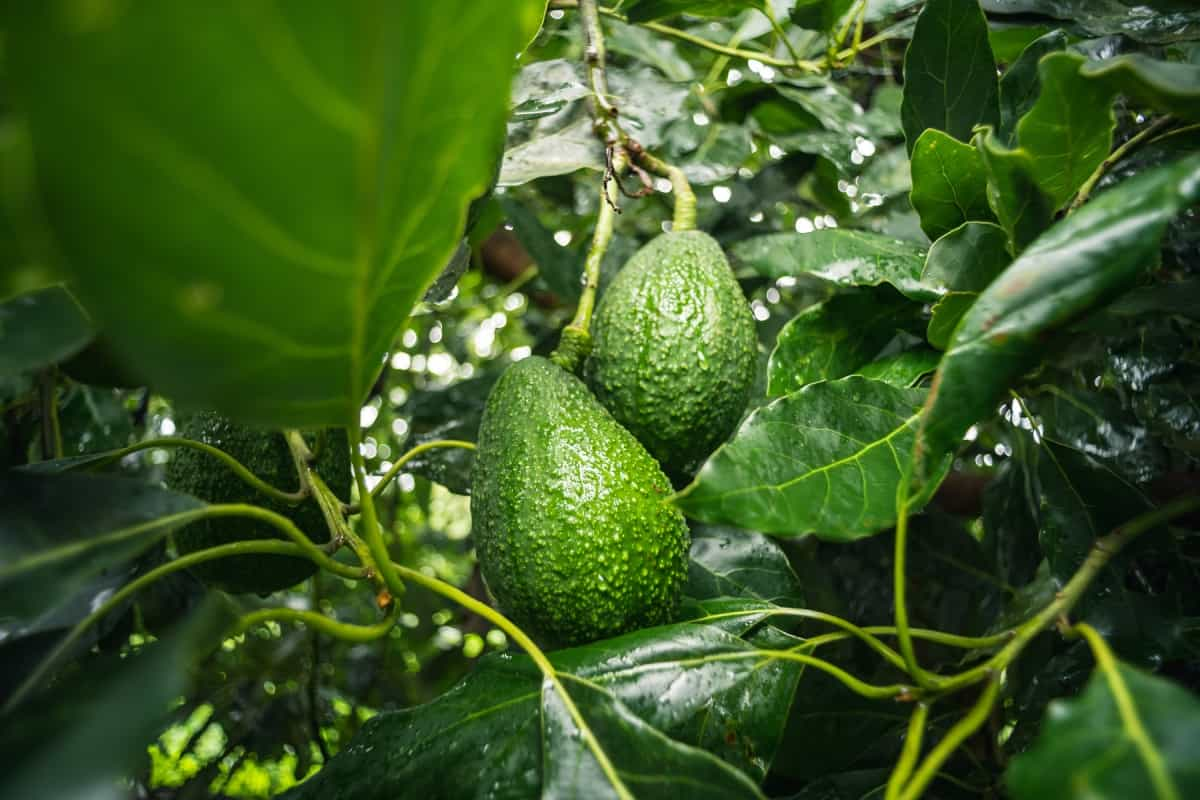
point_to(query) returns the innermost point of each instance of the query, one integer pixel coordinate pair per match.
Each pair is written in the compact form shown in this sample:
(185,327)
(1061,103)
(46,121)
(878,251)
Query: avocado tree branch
(954,737)
(1130,144)
(372,531)
(910,753)
(345,631)
(685,198)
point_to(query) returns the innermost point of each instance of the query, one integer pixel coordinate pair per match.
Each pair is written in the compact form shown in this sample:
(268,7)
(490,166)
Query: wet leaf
(841,257)
(1130,734)
(904,369)
(650,10)
(40,328)
(1079,264)
(965,261)
(1168,86)
(1022,208)
(274,271)
(1020,83)
(730,562)
(58,532)
(950,80)
(1142,21)
(1068,130)
(949,183)
(682,681)
(834,338)
(824,460)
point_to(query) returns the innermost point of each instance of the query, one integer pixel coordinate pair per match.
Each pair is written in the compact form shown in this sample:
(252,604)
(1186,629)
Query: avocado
(266,454)
(674,349)
(575,539)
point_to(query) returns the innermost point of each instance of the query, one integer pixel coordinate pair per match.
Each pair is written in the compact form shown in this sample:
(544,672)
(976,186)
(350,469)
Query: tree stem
(1130,144)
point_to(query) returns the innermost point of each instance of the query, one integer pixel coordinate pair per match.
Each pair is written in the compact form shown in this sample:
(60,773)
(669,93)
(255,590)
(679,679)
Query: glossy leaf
(1081,263)
(273,271)
(1022,208)
(730,562)
(559,267)
(834,338)
(841,257)
(819,15)
(93,730)
(41,328)
(824,460)
(1020,83)
(1012,519)
(904,369)
(60,531)
(965,261)
(949,183)
(1129,734)
(1142,21)
(636,691)
(650,10)
(1068,130)
(1161,85)
(950,80)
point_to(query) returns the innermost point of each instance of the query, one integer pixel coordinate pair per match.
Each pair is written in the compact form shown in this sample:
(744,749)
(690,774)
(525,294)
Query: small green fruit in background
(266,454)
(675,349)
(573,535)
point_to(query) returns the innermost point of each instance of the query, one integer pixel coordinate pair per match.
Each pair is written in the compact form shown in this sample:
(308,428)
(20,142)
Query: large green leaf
(87,736)
(28,257)
(965,261)
(903,369)
(265,190)
(1020,83)
(842,257)
(1068,130)
(950,79)
(730,562)
(59,531)
(949,183)
(1130,734)
(834,338)
(1162,85)
(41,328)
(825,460)
(1022,208)
(656,699)
(1079,264)
(1145,21)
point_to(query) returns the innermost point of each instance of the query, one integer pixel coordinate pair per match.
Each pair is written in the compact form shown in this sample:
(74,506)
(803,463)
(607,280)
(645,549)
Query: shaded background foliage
(797,174)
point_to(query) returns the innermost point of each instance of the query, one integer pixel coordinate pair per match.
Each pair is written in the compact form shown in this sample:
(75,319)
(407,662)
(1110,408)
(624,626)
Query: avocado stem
(685,198)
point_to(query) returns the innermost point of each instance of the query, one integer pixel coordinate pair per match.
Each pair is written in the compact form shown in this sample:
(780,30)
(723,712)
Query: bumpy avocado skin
(675,349)
(572,534)
(266,454)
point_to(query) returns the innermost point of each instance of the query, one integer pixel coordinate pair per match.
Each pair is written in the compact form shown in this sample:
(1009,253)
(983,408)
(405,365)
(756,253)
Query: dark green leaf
(945,316)
(949,183)
(272,271)
(965,261)
(1080,263)
(1023,209)
(1130,734)
(842,257)
(723,149)
(650,48)
(729,562)
(1160,85)
(640,689)
(825,460)
(28,259)
(819,15)
(950,80)
(91,733)
(650,10)
(1020,84)
(57,532)
(1009,41)
(904,369)
(1011,521)
(450,413)
(1142,21)
(1068,130)
(559,267)
(834,338)
(40,328)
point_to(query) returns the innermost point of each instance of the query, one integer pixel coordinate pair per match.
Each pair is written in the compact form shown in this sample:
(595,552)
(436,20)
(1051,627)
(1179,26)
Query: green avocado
(574,537)
(674,349)
(266,454)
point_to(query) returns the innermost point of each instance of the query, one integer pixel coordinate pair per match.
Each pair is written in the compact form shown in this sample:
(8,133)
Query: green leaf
(730,562)
(1129,734)
(824,460)
(1020,83)
(1011,520)
(841,257)
(28,258)
(1161,85)
(819,15)
(834,338)
(60,531)
(559,267)
(634,691)
(1009,41)
(648,47)
(272,271)
(1022,208)
(41,328)
(949,183)
(949,72)
(1157,21)
(904,369)
(1068,131)
(88,735)
(650,10)
(965,261)
(1081,263)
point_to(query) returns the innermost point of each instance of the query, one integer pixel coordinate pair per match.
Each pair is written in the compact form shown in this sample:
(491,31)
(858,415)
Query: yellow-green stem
(910,753)
(413,453)
(345,631)
(51,430)
(900,590)
(685,199)
(535,654)
(1130,144)
(952,740)
(372,532)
